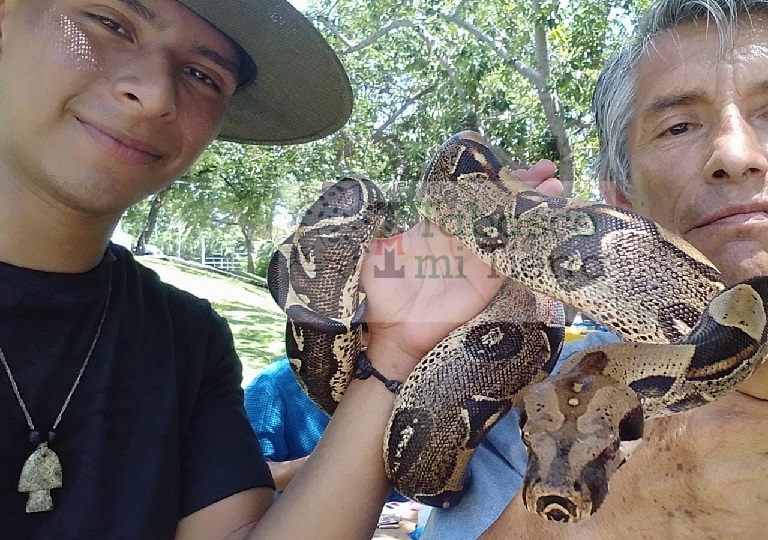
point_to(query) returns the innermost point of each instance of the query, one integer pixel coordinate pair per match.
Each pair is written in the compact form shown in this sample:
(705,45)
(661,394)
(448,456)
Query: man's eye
(202,77)
(111,24)
(678,129)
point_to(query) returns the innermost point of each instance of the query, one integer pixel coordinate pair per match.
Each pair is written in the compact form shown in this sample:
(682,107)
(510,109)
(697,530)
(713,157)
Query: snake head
(575,428)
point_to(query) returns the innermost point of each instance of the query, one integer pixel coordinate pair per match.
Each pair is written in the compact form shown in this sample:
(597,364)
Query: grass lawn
(258,325)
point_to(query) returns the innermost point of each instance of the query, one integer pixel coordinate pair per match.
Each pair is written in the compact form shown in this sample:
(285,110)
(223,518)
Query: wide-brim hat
(300,92)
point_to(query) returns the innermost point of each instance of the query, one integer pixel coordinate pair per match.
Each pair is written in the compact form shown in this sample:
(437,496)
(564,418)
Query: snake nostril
(577,486)
(558,515)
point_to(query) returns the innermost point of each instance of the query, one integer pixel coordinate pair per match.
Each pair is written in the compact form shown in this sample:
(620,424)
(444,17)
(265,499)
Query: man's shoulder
(281,367)
(279,374)
(147,284)
(264,383)
(159,312)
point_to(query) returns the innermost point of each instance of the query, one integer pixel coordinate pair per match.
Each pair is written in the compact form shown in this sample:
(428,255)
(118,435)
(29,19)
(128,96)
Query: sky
(301,5)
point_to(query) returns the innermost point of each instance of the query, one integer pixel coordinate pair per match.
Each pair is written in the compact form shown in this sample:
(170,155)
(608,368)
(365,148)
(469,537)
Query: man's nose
(738,153)
(147,87)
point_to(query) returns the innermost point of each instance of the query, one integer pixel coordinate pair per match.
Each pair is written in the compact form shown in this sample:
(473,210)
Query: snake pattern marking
(688,338)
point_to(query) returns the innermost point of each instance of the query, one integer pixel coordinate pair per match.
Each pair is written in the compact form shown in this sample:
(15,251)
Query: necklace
(42,470)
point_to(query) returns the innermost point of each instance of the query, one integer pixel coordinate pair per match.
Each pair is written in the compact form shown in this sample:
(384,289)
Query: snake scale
(687,338)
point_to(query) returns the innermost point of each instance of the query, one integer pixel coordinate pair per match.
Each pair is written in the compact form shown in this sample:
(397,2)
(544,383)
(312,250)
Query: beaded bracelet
(364,370)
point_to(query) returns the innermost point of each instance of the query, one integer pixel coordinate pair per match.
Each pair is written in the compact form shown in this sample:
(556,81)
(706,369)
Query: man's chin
(739,252)
(741,260)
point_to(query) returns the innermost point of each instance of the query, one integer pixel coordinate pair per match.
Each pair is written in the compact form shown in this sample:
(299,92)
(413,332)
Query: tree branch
(220,221)
(540,40)
(459,7)
(425,36)
(526,71)
(378,134)
(391,26)
(447,67)
(332,28)
(578,123)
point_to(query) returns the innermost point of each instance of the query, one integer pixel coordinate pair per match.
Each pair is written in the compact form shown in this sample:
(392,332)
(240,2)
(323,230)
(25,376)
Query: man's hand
(410,307)
(284,471)
(407,316)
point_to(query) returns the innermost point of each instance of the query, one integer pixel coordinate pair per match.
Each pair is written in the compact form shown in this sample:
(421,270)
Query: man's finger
(540,171)
(540,177)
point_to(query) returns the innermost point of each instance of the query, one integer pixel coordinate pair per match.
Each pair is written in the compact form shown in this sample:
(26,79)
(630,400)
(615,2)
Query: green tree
(522,73)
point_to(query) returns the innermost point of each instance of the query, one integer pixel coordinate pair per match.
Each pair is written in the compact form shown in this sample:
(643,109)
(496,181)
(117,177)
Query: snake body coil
(690,338)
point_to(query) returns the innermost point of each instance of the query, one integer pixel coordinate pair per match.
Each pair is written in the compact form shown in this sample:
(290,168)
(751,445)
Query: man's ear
(614,196)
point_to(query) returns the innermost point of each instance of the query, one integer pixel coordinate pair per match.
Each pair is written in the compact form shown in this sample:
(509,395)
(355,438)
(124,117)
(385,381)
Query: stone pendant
(41,474)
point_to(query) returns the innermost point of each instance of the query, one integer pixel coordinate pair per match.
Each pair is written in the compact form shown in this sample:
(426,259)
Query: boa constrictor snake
(687,338)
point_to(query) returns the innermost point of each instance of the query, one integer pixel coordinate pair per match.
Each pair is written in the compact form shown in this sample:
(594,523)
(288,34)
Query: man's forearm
(340,491)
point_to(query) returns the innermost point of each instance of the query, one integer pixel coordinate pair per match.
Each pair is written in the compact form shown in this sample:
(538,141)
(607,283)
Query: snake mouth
(557,508)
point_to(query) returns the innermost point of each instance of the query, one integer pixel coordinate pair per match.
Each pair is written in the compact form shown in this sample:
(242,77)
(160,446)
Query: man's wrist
(364,370)
(391,362)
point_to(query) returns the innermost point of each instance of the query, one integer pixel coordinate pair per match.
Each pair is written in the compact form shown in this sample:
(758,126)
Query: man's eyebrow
(217,58)
(144,12)
(664,103)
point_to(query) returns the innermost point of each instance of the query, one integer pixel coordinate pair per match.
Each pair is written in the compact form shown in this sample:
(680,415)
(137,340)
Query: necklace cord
(15,387)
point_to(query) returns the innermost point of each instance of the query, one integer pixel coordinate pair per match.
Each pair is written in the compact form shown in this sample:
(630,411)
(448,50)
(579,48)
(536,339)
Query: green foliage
(425,78)
(264,253)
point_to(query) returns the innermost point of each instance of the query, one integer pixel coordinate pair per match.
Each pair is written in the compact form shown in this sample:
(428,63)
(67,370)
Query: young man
(682,114)
(122,408)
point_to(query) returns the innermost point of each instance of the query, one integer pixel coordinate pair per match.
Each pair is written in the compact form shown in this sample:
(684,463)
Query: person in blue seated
(683,140)
(287,422)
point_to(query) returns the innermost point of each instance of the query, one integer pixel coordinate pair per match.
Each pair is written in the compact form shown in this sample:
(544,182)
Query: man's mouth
(751,214)
(740,219)
(123,146)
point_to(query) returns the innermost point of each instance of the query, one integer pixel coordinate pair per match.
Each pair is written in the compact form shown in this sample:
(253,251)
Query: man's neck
(35,234)
(757,384)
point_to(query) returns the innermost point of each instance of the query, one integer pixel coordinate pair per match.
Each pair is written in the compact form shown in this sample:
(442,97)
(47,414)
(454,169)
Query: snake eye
(631,426)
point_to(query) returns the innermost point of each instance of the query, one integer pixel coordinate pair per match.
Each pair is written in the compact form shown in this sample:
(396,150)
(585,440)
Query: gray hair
(615,90)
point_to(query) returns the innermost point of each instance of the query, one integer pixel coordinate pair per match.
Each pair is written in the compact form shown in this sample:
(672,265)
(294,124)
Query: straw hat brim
(300,93)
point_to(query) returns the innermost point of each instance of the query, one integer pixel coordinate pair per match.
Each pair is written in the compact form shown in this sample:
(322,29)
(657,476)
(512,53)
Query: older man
(682,115)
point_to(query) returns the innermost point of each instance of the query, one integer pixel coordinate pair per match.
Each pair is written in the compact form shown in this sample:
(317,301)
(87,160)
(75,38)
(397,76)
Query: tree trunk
(247,233)
(151,223)
(549,102)
(556,125)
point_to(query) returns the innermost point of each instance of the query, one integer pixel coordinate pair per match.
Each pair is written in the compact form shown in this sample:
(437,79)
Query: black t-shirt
(156,428)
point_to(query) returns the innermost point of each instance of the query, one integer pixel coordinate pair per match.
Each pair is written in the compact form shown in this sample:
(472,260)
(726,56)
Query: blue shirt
(288,424)
(286,421)
(496,470)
